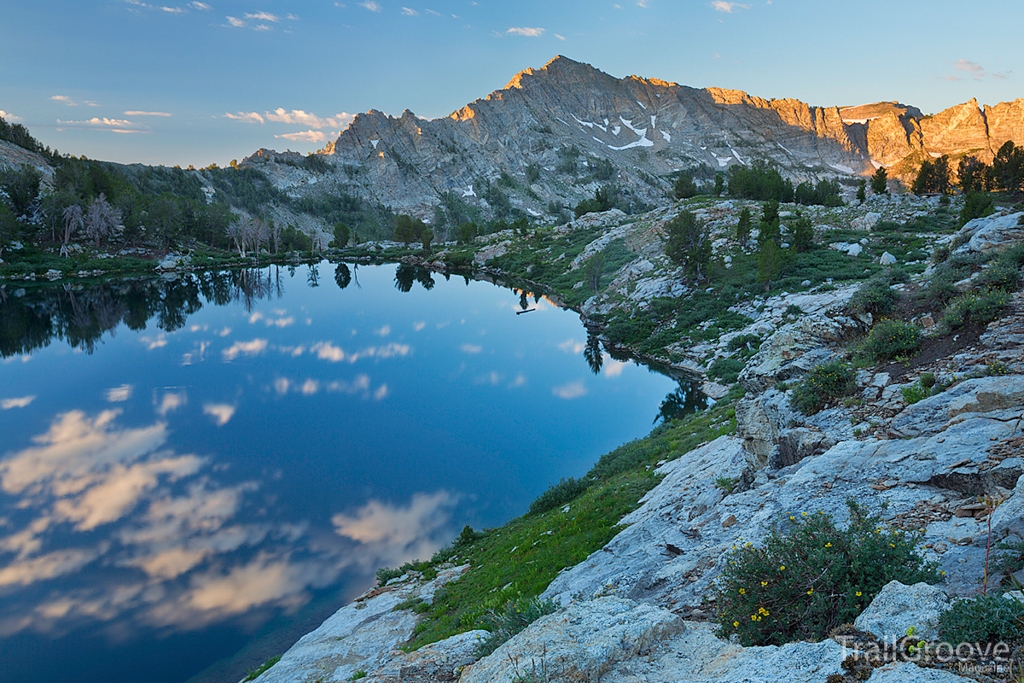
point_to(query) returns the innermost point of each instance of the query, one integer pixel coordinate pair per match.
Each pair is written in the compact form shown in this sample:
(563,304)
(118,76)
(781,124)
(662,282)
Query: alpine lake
(197,469)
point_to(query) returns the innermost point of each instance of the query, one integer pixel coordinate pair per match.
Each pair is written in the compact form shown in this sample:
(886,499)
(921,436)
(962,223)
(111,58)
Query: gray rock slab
(897,607)
(578,643)
(696,655)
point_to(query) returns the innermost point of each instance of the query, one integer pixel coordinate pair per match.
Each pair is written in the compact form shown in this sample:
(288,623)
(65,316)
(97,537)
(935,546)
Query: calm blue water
(198,468)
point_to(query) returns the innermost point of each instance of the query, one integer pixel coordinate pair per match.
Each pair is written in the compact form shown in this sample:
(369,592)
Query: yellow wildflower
(743,591)
(858,594)
(735,624)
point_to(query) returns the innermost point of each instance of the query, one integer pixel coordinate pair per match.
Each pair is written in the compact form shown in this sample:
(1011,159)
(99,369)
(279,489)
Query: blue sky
(201,82)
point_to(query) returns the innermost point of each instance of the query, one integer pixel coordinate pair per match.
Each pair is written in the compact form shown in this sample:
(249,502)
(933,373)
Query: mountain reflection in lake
(189,465)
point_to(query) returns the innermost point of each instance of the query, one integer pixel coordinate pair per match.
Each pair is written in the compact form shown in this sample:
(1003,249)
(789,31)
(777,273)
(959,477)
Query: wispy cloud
(172,10)
(973,71)
(305,136)
(104,123)
(303,118)
(120,394)
(8,116)
(248,117)
(249,348)
(21,402)
(526,31)
(727,7)
(137,112)
(201,6)
(64,99)
(263,16)
(571,390)
(409,12)
(371,5)
(220,412)
(235,22)
(471,348)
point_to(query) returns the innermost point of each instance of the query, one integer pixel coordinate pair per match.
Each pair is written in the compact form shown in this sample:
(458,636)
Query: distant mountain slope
(553,135)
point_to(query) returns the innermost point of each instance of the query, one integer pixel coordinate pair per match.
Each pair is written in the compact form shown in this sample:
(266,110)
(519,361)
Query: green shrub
(915,393)
(810,577)
(824,383)
(983,619)
(558,495)
(891,339)
(973,309)
(517,615)
(743,340)
(726,370)
(1001,277)
(875,297)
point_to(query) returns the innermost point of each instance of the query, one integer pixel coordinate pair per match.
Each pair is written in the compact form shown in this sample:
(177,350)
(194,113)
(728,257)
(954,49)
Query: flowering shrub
(892,339)
(824,383)
(810,577)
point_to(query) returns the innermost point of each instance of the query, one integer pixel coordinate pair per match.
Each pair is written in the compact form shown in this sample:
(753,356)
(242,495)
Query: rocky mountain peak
(553,135)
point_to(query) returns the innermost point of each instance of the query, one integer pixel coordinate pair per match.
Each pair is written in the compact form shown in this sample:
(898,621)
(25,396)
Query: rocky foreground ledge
(636,611)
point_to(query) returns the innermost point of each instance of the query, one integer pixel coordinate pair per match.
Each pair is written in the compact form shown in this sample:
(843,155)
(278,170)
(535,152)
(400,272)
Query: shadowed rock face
(646,128)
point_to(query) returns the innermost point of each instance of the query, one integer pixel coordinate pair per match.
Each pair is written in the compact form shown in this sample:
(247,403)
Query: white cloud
(45,567)
(64,99)
(247,117)
(9,403)
(519,381)
(64,458)
(201,6)
(310,387)
(371,5)
(263,16)
(611,367)
(171,402)
(418,326)
(220,412)
(120,394)
(526,31)
(471,348)
(570,391)
(173,10)
(104,123)
(384,331)
(727,7)
(409,12)
(329,352)
(304,136)
(281,385)
(303,118)
(392,534)
(249,348)
(9,117)
(137,112)
(973,70)
(120,490)
(381,393)
(235,22)
(572,346)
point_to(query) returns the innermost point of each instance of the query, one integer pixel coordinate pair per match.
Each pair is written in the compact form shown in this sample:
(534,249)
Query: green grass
(258,671)
(516,562)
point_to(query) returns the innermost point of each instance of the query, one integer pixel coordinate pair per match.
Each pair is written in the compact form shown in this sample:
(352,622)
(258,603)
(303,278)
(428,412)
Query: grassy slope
(520,559)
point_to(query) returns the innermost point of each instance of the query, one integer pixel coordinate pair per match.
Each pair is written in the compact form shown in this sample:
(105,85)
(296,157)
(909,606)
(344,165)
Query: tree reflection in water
(685,400)
(81,314)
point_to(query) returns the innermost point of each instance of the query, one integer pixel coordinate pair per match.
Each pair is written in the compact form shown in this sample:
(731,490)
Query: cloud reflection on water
(92,499)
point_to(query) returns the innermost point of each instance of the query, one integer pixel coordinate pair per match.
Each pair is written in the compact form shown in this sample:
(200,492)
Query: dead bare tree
(73,222)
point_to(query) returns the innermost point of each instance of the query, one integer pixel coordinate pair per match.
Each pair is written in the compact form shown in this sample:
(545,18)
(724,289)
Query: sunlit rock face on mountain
(553,135)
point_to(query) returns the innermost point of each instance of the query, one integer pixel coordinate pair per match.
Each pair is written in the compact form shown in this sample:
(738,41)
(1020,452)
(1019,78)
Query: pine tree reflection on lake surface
(190,465)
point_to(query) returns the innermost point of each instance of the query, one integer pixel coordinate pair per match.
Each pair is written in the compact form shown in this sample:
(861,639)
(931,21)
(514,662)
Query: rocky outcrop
(364,636)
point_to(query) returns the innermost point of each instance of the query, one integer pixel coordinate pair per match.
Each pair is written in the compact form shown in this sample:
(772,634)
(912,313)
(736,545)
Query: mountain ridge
(554,134)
